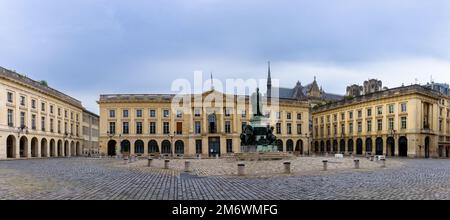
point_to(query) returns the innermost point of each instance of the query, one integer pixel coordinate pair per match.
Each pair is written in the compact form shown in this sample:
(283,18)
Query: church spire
(212,82)
(269,81)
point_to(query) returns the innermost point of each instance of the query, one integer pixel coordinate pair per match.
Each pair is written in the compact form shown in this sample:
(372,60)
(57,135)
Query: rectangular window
(278,128)
(369,112)
(179,114)
(138,127)
(359,114)
(77,133)
(51,109)
(65,128)
(350,115)
(380,124)
(33,122)
(152,113)
(288,116)
(125,113)
(112,113)
(139,113)
(403,120)
(359,127)
(391,124)
(71,129)
(343,116)
(71,115)
(77,117)
(403,107)
(43,107)
(166,128)
(166,113)
(33,104)
(369,126)
(289,128)
(51,125)
(197,112)
(299,128)
(10,97)
(152,127)
(10,118)
(379,110)
(227,127)
(112,127)
(59,111)
(125,128)
(343,129)
(391,109)
(244,113)
(229,146)
(198,128)
(278,115)
(59,127)
(22,100)
(179,127)
(66,114)
(198,146)
(299,116)
(43,123)
(22,119)
(350,128)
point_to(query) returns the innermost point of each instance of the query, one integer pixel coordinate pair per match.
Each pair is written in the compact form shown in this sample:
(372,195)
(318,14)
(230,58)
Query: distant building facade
(90,125)
(408,121)
(443,88)
(36,120)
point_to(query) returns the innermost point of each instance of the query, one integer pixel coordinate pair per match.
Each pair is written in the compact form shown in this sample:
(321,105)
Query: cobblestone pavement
(83,178)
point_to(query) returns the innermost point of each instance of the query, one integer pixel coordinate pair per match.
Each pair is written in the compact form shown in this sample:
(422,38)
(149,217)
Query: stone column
(241,169)
(28,149)
(38,150)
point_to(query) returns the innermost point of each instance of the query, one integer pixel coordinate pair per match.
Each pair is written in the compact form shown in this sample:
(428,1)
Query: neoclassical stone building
(36,120)
(90,132)
(409,121)
(147,124)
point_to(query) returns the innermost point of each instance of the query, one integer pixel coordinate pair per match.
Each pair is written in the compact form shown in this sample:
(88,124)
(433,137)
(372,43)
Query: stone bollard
(371,158)
(149,162)
(383,163)
(287,167)
(125,160)
(166,164)
(356,164)
(241,169)
(325,165)
(187,166)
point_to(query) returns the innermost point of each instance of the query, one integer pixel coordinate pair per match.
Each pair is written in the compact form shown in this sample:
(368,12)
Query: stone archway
(379,146)
(403,146)
(60,150)
(350,146)
(427,147)
(112,148)
(359,146)
(72,149)
(139,147)
(179,147)
(316,147)
(23,150)
(153,147)
(369,146)
(34,147)
(125,147)
(66,148)
(335,146)
(11,147)
(299,147)
(279,144)
(78,148)
(328,146)
(44,148)
(322,146)
(342,146)
(390,146)
(289,145)
(165,147)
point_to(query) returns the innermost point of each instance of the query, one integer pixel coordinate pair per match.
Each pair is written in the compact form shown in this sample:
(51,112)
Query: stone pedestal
(166,164)
(356,164)
(187,166)
(383,163)
(149,162)
(287,167)
(241,169)
(325,165)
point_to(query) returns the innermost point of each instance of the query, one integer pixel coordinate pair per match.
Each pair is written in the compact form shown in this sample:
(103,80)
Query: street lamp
(22,129)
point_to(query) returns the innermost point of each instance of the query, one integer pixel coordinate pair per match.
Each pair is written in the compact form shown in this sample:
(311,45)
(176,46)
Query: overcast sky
(90,47)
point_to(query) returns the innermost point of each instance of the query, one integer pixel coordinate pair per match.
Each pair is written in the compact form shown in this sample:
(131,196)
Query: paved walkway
(82,178)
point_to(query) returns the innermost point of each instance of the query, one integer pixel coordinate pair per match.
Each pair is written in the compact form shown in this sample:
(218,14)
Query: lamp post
(22,129)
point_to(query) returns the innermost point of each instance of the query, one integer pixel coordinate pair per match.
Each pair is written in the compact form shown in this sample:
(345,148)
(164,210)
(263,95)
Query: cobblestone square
(110,179)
